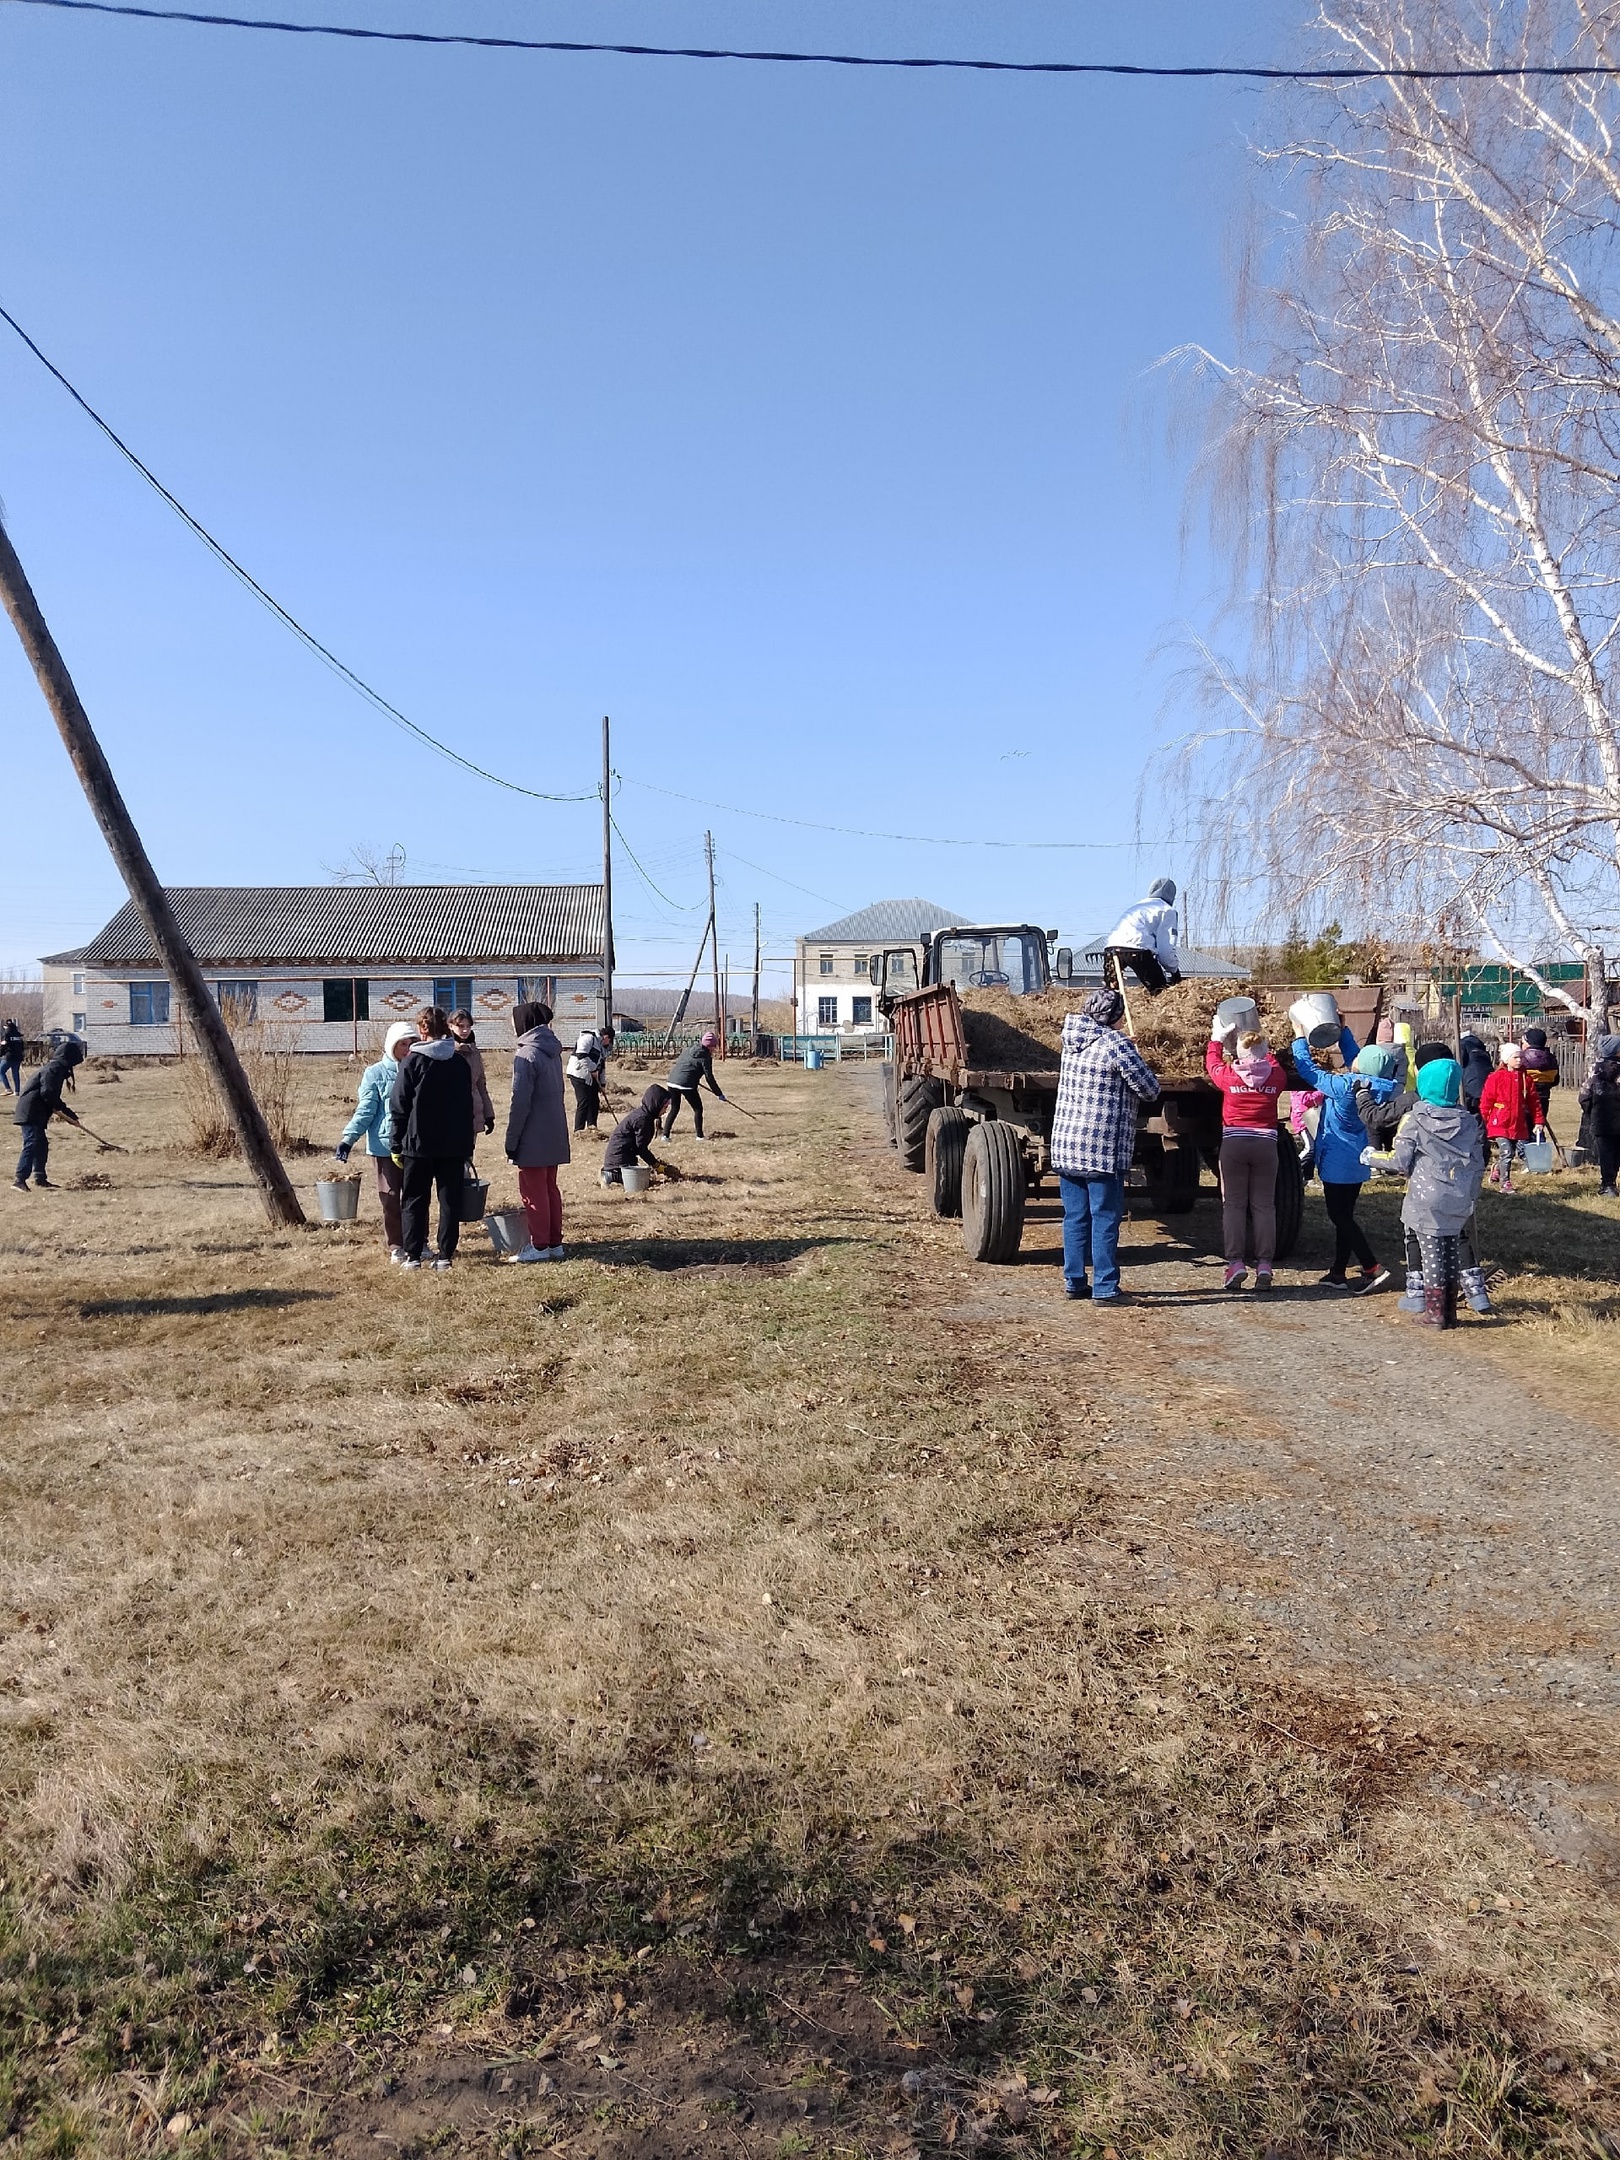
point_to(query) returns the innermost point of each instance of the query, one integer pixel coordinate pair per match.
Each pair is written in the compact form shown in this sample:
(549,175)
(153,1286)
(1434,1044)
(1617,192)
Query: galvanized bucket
(637,1177)
(1237,1016)
(1316,1017)
(339,1198)
(508,1229)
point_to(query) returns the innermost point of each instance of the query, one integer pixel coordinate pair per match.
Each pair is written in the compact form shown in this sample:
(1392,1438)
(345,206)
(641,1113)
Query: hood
(656,1099)
(1608,1046)
(1164,889)
(1440,1082)
(442,1047)
(400,1033)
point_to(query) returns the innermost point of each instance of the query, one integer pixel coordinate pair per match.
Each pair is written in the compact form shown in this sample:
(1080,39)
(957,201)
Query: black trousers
(587,1102)
(1145,966)
(1348,1235)
(1608,1155)
(676,1097)
(422,1173)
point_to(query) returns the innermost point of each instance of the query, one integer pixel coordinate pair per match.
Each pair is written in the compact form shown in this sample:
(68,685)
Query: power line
(645,879)
(822,59)
(289,621)
(859,832)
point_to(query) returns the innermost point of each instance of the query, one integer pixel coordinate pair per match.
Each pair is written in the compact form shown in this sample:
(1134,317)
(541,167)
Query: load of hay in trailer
(973,1087)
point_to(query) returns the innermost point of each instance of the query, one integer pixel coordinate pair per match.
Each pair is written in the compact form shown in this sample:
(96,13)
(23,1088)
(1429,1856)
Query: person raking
(694,1068)
(39,1102)
(1144,941)
(1101,1080)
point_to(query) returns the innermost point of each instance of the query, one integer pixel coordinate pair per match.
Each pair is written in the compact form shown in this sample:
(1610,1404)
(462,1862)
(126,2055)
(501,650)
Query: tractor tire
(944,1146)
(888,1102)
(993,1189)
(914,1102)
(1173,1180)
(1290,1194)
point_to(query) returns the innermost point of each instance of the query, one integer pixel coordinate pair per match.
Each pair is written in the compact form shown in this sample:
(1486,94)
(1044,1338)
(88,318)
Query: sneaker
(1607,1192)
(439,1264)
(1507,1184)
(1332,1280)
(43,1184)
(1262,1278)
(1120,1297)
(521,1259)
(1372,1278)
(396,1253)
(1236,1277)
(1077,1290)
(410,1267)
(553,1252)
(19,1184)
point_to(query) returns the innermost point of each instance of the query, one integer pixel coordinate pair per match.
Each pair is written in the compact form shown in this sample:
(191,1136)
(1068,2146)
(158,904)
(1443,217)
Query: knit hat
(401,1031)
(1104,1006)
(1536,1038)
(711,1040)
(1427,1052)
(1440,1081)
(1608,1046)
(1371,1062)
(1508,1052)
(1386,1031)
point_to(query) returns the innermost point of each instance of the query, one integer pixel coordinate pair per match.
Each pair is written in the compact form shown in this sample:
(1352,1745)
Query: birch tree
(1421,445)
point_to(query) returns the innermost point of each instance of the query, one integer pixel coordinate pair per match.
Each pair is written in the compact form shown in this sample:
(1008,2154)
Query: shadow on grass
(214,1301)
(665,1255)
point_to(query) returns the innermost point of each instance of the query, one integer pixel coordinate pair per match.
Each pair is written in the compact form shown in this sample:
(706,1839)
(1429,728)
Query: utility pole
(753,1012)
(134,865)
(607,879)
(714,943)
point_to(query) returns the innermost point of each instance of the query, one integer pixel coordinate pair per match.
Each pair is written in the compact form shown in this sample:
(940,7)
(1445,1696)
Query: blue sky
(801,419)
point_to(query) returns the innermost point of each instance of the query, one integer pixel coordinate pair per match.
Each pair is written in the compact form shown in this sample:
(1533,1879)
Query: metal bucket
(474,1199)
(339,1198)
(1236,1016)
(637,1177)
(1538,1155)
(508,1229)
(1316,1017)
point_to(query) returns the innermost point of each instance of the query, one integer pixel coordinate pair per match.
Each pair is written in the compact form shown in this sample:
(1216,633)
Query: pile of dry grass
(1006,1033)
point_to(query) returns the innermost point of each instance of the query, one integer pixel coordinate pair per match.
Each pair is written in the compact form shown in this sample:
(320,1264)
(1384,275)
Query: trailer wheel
(1290,1194)
(914,1100)
(944,1146)
(1172,1179)
(993,1185)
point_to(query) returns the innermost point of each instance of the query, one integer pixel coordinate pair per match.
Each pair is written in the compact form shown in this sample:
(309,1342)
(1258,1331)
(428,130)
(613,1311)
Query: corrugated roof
(365,925)
(898,919)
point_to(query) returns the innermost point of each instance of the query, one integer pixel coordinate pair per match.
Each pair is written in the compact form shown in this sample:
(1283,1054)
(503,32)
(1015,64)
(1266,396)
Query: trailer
(982,1138)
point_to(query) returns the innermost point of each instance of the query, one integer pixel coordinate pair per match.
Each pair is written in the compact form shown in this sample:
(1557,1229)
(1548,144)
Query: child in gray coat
(1441,1154)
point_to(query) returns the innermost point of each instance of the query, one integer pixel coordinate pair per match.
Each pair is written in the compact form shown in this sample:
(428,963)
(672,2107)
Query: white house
(831,987)
(328,966)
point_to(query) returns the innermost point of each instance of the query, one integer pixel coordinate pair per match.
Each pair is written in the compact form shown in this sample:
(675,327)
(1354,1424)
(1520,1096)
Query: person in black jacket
(694,1068)
(1600,1101)
(12,1047)
(432,1110)
(39,1102)
(631,1139)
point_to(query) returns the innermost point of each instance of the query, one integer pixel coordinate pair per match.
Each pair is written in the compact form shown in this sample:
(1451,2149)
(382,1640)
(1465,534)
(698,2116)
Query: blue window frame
(453,992)
(860,1012)
(149,1004)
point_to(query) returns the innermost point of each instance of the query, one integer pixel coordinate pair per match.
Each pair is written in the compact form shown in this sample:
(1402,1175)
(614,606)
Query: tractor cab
(1001,956)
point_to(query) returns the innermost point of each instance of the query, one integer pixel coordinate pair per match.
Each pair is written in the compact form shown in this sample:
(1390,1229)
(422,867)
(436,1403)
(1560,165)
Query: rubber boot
(1473,1288)
(1434,1299)
(1411,1299)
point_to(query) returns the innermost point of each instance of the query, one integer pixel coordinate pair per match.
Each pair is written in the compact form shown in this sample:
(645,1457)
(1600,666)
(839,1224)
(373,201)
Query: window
(238,1001)
(860,1012)
(1011,962)
(536,989)
(826,1012)
(860,963)
(826,963)
(78,1023)
(453,992)
(78,986)
(346,999)
(149,1004)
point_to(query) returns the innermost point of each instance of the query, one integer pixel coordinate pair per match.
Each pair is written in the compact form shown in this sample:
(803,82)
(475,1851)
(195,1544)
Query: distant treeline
(22,998)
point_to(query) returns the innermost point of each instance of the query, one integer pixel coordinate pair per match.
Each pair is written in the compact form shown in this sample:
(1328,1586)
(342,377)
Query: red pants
(542,1203)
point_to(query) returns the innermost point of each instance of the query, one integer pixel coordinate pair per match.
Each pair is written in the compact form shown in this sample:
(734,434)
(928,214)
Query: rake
(103,1147)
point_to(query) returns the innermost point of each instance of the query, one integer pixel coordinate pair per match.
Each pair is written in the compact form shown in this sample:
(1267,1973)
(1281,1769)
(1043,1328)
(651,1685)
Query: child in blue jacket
(1340,1140)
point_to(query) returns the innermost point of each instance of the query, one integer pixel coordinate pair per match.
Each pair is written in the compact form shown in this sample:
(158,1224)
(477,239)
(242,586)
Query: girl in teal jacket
(373,1123)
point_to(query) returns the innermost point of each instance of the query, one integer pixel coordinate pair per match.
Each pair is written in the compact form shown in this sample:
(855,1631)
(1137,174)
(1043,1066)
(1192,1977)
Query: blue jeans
(11,1073)
(1093,1208)
(36,1149)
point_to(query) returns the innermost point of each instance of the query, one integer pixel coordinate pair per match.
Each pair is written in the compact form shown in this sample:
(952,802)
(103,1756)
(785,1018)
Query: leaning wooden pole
(134,865)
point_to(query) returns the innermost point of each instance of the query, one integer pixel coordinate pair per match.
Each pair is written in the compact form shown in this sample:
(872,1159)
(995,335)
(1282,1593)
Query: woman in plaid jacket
(1103,1078)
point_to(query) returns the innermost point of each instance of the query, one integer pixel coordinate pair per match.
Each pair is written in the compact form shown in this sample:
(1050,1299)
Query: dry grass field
(660,1705)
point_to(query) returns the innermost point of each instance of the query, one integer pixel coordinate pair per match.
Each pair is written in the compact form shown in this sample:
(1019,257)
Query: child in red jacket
(1511,1108)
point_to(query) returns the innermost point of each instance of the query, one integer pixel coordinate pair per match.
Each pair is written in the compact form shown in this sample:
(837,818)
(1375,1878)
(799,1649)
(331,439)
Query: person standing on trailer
(373,1122)
(1144,940)
(693,1069)
(1100,1082)
(432,1109)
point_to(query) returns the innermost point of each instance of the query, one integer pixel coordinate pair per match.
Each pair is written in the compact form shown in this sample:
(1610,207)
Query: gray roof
(365,926)
(898,919)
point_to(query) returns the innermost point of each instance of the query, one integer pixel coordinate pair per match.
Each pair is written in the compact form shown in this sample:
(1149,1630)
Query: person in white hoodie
(1144,940)
(587,1070)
